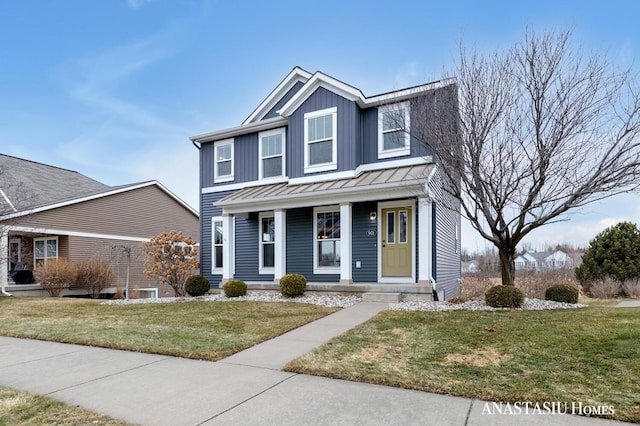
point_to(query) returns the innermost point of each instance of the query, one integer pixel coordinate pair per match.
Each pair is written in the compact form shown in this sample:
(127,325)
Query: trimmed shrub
(196,285)
(562,293)
(235,288)
(94,277)
(504,296)
(293,285)
(55,275)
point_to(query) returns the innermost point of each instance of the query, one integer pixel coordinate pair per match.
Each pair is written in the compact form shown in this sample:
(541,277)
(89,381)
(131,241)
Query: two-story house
(322,181)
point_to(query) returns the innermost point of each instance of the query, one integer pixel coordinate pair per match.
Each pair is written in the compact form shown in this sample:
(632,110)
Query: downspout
(4,261)
(427,188)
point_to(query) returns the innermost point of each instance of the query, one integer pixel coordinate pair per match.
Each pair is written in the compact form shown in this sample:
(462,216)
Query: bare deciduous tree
(172,258)
(542,129)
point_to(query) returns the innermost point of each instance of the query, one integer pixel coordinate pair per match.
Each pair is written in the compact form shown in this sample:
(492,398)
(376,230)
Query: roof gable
(28,184)
(296,75)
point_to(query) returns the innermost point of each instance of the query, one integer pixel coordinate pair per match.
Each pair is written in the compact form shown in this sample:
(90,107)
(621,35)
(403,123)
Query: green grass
(589,355)
(199,330)
(23,408)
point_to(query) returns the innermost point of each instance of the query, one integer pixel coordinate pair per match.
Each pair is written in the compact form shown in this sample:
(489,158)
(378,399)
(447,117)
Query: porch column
(227,247)
(4,258)
(280,255)
(345,243)
(425,239)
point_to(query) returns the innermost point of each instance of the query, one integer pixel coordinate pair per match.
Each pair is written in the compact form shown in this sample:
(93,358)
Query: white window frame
(46,254)
(224,178)
(282,131)
(333,165)
(324,269)
(261,268)
(216,270)
(397,152)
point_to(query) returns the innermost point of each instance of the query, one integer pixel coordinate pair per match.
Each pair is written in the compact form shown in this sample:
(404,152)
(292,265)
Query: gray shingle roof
(27,184)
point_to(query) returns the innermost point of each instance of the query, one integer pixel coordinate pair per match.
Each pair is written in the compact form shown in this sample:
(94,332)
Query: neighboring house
(547,260)
(322,181)
(470,267)
(47,212)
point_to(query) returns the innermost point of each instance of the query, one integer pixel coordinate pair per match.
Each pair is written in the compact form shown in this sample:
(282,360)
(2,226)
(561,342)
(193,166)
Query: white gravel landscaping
(346,301)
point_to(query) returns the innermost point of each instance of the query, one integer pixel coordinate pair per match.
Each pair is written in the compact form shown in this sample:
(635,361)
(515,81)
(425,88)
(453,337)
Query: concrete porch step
(381,297)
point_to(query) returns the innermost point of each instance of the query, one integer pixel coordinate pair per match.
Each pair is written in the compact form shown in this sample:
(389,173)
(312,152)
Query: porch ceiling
(370,185)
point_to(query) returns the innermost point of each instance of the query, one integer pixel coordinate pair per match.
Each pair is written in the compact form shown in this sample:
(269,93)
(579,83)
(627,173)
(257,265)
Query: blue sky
(114,88)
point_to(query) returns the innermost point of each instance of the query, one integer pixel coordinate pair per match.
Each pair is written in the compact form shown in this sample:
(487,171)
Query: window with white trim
(217,245)
(393,130)
(271,148)
(223,166)
(326,250)
(267,243)
(44,249)
(320,140)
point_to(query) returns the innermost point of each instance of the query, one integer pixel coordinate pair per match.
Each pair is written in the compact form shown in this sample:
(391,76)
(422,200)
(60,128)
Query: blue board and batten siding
(273,112)
(348,128)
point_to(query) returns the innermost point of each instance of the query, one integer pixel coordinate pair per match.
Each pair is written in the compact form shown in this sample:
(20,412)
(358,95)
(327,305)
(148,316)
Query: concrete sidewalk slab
(276,353)
(307,400)
(629,304)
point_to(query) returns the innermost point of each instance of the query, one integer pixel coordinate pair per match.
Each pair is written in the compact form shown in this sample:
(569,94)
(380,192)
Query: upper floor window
(393,130)
(223,168)
(320,140)
(272,148)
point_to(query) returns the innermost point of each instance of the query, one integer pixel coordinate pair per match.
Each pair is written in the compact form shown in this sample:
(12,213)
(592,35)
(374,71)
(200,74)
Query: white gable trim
(296,75)
(321,80)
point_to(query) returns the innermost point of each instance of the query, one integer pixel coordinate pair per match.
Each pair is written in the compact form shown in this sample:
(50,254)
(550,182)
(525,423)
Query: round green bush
(235,288)
(293,285)
(196,285)
(562,293)
(504,296)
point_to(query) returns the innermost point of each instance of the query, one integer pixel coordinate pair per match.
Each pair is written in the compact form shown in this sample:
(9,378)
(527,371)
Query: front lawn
(198,329)
(589,356)
(24,408)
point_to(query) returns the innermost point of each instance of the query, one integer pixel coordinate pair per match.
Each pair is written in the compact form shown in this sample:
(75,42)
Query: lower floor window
(217,243)
(327,231)
(44,249)
(267,241)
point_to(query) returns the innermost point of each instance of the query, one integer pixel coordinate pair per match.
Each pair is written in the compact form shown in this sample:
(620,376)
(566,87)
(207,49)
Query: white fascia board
(258,126)
(383,191)
(296,75)
(96,196)
(49,231)
(321,80)
(401,95)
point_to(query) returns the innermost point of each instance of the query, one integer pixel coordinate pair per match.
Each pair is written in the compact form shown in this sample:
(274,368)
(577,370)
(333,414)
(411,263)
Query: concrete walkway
(245,389)
(629,304)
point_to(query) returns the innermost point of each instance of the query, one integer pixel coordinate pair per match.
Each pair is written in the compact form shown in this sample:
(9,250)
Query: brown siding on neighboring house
(143,213)
(82,249)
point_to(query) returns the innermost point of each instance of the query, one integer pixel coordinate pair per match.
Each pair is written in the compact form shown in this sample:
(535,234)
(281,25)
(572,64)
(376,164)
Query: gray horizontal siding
(208,211)
(364,246)
(246,250)
(300,246)
(447,248)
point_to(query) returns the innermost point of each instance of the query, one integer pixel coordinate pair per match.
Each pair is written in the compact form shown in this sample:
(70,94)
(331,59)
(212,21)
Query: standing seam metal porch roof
(368,180)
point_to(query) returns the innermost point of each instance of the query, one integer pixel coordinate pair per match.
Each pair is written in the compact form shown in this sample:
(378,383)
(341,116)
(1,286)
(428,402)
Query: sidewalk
(245,389)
